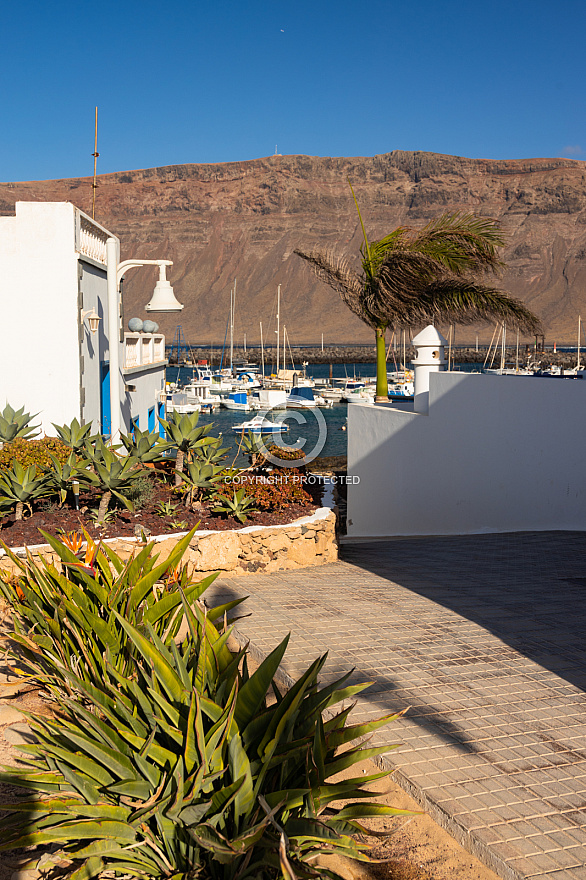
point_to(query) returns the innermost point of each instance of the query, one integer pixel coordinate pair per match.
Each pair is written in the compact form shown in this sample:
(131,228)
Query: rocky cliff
(242,220)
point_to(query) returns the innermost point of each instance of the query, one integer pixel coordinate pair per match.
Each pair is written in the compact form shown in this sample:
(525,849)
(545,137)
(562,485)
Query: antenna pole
(278,324)
(95,154)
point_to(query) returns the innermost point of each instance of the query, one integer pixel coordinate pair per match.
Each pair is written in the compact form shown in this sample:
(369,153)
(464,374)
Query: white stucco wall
(494,454)
(149,382)
(39,355)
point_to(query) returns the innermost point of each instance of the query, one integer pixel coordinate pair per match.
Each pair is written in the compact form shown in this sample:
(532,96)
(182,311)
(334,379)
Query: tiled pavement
(483,637)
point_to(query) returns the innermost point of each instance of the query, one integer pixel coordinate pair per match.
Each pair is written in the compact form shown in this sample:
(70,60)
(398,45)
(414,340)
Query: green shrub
(142,491)
(37,452)
(182,767)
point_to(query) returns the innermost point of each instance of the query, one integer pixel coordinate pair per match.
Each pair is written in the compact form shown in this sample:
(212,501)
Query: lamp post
(162,300)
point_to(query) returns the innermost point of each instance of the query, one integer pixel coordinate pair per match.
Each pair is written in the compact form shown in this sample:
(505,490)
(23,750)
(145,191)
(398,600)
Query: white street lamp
(162,300)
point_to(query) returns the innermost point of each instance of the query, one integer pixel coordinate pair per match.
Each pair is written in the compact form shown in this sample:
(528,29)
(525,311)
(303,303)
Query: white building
(482,454)
(52,280)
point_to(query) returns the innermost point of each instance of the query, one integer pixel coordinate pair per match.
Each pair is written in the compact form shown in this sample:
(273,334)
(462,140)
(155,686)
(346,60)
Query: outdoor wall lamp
(162,300)
(93,319)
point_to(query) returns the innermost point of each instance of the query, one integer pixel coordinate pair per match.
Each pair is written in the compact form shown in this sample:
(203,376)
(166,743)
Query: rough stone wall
(310,540)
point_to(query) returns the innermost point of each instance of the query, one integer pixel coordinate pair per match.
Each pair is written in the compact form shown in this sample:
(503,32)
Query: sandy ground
(415,848)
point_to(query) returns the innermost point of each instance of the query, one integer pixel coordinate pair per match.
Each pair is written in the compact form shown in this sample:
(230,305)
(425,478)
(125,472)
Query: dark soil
(55,520)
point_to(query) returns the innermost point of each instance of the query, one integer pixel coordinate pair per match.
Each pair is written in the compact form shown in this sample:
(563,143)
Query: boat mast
(503,346)
(262,352)
(232,306)
(579,334)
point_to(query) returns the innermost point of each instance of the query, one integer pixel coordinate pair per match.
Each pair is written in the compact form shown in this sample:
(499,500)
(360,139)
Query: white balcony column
(113,337)
(429,358)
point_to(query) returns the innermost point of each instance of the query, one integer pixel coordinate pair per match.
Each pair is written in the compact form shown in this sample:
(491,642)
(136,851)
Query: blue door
(151,421)
(105,420)
(161,415)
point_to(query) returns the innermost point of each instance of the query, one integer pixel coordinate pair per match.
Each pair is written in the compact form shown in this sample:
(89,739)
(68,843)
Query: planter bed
(278,546)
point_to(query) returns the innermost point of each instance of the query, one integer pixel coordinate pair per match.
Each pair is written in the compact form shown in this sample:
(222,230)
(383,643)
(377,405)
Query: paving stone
(9,715)
(483,637)
(18,734)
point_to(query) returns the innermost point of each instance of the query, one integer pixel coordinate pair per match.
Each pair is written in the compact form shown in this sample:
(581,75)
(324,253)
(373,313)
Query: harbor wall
(493,454)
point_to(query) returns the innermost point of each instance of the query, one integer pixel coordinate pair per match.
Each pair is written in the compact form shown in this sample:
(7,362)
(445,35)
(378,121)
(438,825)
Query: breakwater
(365,354)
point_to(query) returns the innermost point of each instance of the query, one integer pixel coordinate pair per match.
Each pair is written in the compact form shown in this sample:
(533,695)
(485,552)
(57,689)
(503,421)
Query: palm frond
(462,243)
(462,301)
(335,271)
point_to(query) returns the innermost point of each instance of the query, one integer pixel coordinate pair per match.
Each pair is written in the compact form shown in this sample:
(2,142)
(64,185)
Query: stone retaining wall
(310,540)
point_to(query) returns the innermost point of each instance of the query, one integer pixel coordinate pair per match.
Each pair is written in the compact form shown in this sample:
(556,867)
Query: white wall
(94,346)
(39,355)
(494,454)
(149,382)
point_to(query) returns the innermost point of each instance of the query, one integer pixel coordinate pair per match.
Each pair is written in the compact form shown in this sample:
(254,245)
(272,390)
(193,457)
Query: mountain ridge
(242,220)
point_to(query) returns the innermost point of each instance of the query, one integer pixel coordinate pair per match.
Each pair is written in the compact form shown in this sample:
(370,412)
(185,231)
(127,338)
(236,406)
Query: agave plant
(60,476)
(185,769)
(145,447)
(75,435)
(239,506)
(65,616)
(253,446)
(19,486)
(184,435)
(114,475)
(200,475)
(211,453)
(16,423)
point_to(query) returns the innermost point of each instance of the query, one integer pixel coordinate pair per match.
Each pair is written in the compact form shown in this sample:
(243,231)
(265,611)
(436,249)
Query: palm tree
(412,276)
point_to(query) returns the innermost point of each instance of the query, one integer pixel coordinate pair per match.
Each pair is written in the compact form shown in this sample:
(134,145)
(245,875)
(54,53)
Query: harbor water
(305,430)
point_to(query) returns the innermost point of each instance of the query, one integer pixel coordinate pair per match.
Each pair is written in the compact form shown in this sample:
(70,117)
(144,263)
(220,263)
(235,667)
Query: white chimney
(429,345)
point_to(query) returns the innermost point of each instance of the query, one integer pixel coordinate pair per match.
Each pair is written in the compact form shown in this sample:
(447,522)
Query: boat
(302,397)
(237,400)
(360,395)
(176,401)
(269,398)
(200,392)
(401,390)
(260,425)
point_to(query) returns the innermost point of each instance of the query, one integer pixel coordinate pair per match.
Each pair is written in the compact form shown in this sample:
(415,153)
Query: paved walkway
(483,637)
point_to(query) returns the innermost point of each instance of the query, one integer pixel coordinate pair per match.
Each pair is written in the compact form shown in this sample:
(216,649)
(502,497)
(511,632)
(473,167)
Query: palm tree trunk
(179,466)
(382,385)
(103,508)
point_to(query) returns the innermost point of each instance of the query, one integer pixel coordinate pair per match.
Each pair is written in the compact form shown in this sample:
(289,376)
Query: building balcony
(143,349)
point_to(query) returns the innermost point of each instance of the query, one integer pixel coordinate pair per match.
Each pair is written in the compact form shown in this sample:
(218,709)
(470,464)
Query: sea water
(306,431)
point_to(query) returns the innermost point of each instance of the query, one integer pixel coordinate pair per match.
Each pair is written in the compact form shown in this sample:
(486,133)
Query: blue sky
(179,82)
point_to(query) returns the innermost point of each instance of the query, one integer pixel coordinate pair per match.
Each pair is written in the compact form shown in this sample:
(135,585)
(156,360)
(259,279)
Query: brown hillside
(243,220)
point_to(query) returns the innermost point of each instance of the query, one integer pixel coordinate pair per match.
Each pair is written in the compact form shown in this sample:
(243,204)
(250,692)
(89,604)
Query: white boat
(176,401)
(303,397)
(360,395)
(401,390)
(200,392)
(260,425)
(237,400)
(269,398)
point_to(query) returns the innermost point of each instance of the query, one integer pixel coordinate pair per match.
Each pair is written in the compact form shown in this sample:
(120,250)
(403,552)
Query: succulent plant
(239,506)
(19,486)
(184,435)
(16,423)
(75,435)
(144,447)
(185,768)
